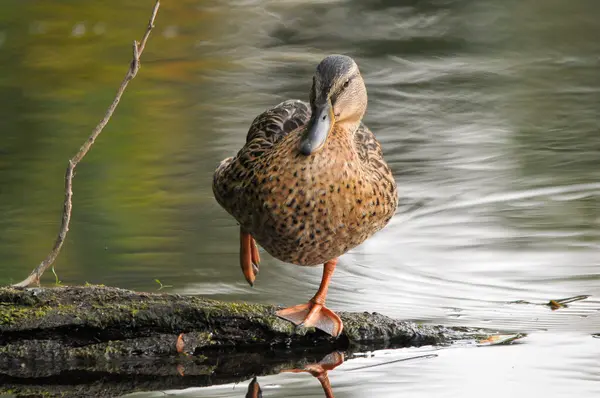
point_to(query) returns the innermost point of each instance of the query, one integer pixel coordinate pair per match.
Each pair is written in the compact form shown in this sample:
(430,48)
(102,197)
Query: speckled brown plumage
(310,183)
(306,210)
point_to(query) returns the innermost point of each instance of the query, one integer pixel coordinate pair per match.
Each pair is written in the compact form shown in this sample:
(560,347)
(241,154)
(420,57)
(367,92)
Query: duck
(309,184)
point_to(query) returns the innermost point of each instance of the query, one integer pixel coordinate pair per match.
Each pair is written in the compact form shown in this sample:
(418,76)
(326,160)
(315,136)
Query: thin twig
(138,49)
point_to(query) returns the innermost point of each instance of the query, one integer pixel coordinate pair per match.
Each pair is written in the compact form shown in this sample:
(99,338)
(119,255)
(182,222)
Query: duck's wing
(235,181)
(266,130)
(375,167)
(275,123)
(367,146)
(371,157)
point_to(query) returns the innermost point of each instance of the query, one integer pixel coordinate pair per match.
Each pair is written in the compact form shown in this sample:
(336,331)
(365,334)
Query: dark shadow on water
(116,378)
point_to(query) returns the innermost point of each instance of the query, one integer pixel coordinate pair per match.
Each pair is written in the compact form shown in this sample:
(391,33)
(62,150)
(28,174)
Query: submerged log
(95,335)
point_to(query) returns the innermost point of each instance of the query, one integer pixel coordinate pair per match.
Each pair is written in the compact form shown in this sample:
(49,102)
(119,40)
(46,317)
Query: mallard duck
(309,184)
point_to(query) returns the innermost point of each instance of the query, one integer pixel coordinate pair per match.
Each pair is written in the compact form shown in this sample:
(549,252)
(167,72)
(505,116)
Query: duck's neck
(341,140)
(345,131)
(349,126)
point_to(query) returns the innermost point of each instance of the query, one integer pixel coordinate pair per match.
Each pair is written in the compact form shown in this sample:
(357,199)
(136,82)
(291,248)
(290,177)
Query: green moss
(281,326)
(101,314)
(111,351)
(11,314)
(30,392)
(235,308)
(205,338)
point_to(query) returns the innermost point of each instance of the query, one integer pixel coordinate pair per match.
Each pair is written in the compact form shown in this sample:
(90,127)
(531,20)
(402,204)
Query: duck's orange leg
(314,313)
(249,257)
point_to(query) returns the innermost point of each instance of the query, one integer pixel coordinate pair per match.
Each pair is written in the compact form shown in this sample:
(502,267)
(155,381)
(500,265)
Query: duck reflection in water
(319,370)
(254,390)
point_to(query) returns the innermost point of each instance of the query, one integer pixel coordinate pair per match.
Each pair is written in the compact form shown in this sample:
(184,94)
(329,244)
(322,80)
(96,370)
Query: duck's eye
(347,83)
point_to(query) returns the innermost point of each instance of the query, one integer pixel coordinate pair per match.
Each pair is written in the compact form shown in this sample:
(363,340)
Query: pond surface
(488,113)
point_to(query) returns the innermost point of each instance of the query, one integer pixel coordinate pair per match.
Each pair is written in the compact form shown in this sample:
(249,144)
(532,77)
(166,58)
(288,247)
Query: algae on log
(138,340)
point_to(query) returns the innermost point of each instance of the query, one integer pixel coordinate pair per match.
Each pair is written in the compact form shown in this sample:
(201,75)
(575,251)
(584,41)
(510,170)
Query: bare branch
(138,49)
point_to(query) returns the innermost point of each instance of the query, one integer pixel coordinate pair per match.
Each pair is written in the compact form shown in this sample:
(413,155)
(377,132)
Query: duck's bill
(319,127)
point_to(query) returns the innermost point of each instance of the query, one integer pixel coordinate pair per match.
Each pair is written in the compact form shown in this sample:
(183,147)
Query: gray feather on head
(335,66)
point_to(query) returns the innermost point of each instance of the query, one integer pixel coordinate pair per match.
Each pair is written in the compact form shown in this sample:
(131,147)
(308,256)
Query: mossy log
(75,338)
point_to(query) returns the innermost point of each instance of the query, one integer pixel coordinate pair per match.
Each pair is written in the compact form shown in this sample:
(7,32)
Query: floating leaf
(501,339)
(554,304)
(562,303)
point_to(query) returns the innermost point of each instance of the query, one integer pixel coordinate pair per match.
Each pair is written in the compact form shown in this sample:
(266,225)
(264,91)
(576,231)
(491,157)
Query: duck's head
(338,97)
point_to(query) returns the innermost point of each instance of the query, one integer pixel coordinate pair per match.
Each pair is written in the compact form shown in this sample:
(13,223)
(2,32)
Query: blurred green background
(60,65)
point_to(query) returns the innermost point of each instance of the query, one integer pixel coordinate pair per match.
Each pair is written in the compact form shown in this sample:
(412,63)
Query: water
(488,115)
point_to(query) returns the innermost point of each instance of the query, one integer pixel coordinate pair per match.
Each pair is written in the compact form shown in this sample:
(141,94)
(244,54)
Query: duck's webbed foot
(314,313)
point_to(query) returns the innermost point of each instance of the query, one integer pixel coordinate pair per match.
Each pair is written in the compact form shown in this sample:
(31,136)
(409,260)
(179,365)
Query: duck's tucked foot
(255,257)
(249,257)
(313,315)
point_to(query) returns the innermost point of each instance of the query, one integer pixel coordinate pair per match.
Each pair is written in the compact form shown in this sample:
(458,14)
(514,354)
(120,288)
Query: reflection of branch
(426,356)
(138,49)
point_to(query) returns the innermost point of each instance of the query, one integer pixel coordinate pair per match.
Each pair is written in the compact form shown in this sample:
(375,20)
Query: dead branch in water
(138,49)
